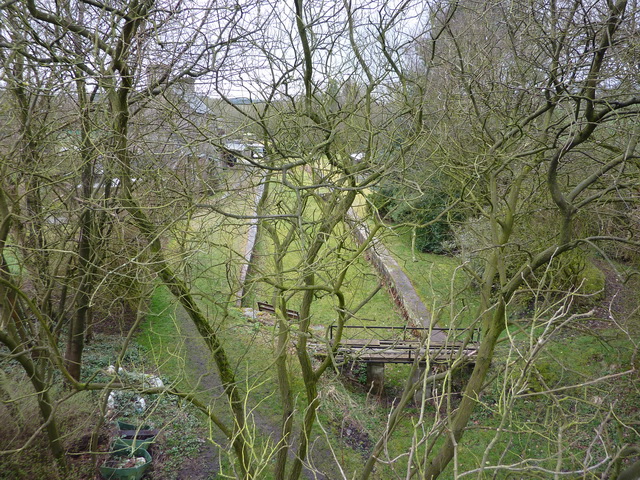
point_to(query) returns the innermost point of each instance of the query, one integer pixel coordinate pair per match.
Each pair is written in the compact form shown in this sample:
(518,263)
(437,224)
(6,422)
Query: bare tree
(541,86)
(528,110)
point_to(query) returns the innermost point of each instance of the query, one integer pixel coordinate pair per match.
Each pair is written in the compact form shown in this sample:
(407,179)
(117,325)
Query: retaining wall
(396,281)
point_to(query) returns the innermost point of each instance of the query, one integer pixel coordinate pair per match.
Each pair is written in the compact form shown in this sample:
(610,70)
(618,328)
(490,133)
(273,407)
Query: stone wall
(252,234)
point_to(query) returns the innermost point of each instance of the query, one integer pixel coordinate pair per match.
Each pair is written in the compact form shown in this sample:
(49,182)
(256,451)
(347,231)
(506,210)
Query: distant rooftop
(196,104)
(243,101)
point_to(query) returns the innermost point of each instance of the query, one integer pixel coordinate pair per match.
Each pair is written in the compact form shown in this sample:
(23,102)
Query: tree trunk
(43,398)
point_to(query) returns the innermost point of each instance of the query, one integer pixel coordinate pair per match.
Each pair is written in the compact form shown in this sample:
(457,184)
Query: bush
(581,274)
(435,238)
(383,199)
(399,205)
(569,272)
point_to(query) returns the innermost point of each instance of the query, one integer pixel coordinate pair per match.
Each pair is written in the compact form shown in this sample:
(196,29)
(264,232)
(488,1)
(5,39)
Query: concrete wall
(393,277)
(249,246)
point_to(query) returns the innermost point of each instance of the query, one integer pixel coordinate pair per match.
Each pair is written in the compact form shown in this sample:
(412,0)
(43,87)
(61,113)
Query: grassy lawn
(211,271)
(360,282)
(574,357)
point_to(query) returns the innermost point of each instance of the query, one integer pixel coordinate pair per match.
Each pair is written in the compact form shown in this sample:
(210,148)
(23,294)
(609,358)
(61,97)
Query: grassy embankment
(250,345)
(352,420)
(556,394)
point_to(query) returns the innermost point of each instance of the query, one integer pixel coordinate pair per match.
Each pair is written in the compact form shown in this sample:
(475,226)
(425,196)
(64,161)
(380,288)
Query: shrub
(399,204)
(570,272)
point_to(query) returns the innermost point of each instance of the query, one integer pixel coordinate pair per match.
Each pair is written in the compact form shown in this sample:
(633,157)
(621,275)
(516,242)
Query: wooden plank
(439,346)
(401,344)
(360,343)
(266,307)
(400,355)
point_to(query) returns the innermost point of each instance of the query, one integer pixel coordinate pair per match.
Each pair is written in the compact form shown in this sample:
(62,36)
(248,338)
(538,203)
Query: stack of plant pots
(130,457)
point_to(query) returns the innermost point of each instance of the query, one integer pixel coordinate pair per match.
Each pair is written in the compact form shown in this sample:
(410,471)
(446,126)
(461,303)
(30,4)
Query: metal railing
(411,332)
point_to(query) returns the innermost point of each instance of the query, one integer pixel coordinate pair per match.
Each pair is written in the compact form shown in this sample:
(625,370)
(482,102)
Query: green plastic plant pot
(136,436)
(135,442)
(122,450)
(130,426)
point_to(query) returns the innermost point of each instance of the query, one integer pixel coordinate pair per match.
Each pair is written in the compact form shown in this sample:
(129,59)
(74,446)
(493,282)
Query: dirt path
(199,364)
(621,302)
(206,464)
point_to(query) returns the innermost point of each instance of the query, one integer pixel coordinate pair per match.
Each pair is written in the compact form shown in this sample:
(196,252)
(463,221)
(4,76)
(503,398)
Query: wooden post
(375,378)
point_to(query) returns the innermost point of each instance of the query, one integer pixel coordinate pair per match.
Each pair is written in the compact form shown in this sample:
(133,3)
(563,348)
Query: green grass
(157,335)
(359,283)
(14,263)
(439,280)
(211,273)
(573,357)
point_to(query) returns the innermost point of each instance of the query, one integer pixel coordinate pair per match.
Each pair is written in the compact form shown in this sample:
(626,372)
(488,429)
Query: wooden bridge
(402,344)
(396,344)
(376,346)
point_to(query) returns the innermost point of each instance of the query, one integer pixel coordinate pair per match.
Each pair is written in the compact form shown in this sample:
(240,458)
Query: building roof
(197,104)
